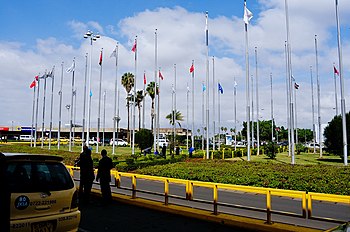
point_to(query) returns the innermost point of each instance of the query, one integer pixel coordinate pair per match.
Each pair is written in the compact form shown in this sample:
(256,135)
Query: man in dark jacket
(104,176)
(87,175)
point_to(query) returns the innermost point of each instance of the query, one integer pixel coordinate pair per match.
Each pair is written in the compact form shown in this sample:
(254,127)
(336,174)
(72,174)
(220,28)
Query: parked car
(43,195)
(119,142)
(26,138)
(162,142)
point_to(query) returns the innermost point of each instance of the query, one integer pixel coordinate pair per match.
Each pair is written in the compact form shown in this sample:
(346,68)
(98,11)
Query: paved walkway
(123,217)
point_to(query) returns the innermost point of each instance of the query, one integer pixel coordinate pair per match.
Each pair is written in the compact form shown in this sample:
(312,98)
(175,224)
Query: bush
(300,148)
(144,139)
(271,150)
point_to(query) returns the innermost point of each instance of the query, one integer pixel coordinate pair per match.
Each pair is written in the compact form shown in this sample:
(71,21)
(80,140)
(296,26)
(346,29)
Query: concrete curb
(226,219)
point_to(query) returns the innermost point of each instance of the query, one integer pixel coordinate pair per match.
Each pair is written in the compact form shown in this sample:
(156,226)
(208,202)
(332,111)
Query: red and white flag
(160,75)
(100,62)
(192,68)
(134,47)
(33,84)
(335,70)
(144,78)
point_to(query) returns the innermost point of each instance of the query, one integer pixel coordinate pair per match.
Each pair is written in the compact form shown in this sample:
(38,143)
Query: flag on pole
(114,53)
(296,86)
(36,77)
(203,87)
(144,78)
(100,62)
(160,75)
(43,76)
(134,47)
(33,84)
(192,68)
(221,90)
(335,70)
(235,84)
(71,68)
(247,14)
(90,93)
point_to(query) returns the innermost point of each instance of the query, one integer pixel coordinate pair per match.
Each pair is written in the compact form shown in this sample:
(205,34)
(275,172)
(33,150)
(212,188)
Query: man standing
(104,176)
(87,175)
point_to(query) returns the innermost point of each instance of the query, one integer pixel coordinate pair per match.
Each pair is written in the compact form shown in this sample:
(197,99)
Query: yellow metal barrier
(306,198)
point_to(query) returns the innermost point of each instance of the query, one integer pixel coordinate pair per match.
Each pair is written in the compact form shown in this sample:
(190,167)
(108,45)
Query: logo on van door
(21,202)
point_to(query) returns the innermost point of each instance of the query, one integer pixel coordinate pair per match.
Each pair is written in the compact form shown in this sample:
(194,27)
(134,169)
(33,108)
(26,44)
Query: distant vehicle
(43,194)
(119,142)
(284,143)
(311,145)
(241,144)
(162,142)
(26,138)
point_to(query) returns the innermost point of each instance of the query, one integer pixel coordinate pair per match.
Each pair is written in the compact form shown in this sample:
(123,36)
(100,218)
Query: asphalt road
(123,217)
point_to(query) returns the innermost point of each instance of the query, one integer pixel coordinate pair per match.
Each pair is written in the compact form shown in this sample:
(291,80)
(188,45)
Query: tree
(334,135)
(151,92)
(139,100)
(178,117)
(144,139)
(127,82)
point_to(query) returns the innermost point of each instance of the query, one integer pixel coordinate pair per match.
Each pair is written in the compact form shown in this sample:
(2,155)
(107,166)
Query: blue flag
(90,93)
(203,87)
(221,90)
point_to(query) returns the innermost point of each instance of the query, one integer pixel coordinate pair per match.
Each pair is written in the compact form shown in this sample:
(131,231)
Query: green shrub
(271,150)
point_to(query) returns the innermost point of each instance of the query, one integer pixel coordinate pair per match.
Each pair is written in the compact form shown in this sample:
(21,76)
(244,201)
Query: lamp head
(88,33)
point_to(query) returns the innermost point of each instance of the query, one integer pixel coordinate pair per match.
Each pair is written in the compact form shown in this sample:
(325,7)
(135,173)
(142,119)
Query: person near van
(104,176)
(87,175)
(164,151)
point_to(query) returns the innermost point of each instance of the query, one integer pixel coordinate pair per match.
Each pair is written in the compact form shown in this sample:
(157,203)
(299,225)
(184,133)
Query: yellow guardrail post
(303,204)
(166,191)
(215,200)
(223,153)
(268,206)
(212,154)
(133,178)
(232,154)
(117,179)
(309,206)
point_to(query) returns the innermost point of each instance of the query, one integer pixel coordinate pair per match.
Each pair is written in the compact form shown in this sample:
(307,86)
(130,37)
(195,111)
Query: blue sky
(37,35)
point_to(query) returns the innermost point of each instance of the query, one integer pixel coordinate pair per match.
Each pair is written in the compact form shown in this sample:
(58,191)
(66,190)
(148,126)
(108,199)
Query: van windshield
(26,177)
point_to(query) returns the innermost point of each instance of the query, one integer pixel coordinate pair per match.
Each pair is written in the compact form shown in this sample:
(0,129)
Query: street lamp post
(93,37)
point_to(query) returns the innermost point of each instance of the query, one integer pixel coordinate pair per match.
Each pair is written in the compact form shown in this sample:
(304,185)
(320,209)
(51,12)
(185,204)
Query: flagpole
(343,112)
(296,114)
(207,82)
(235,109)
(74,115)
(52,86)
(192,132)
(318,99)
(43,122)
(60,111)
(37,112)
(335,91)
(158,107)
(116,99)
(188,90)
(84,93)
(288,99)
(313,111)
(272,120)
(134,105)
(252,109)
(203,89)
(143,100)
(219,115)
(174,110)
(247,85)
(71,112)
(257,102)
(155,137)
(289,68)
(214,108)
(104,118)
(31,129)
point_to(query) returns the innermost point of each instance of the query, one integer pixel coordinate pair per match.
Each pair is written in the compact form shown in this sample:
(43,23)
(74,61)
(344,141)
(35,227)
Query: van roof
(29,157)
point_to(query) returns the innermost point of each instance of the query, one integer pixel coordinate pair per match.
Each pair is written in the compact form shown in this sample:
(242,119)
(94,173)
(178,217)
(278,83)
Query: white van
(162,142)
(25,137)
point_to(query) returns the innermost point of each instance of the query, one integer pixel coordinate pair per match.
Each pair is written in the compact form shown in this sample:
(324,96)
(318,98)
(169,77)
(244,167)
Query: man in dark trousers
(104,176)
(164,151)
(87,175)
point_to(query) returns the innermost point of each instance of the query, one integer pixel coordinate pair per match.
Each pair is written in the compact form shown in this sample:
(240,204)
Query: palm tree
(178,117)
(151,92)
(128,82)
(139,100)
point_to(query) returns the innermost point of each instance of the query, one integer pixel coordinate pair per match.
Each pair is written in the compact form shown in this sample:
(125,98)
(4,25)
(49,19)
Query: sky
(37,35)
